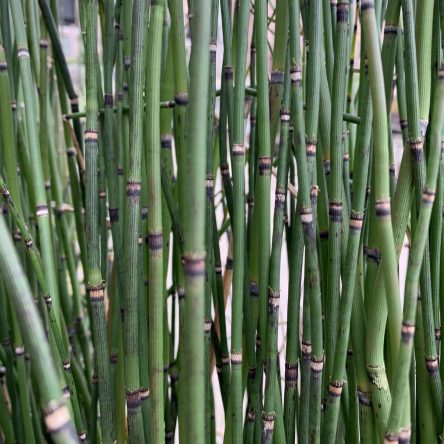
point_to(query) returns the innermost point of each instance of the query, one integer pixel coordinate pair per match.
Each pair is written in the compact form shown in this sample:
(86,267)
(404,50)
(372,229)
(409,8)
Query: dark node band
(228,72)
(251,416)
(181,99)
(166,141)
(264,164)
(342,12)
(155,241)
(279,197)
(133,188)
(373,254)
(367,4)
(317,365)
(311,148)
(144,393)
(194,264)
(109,100)
(390,437)
(382,208)
(356,220)
(296,74)
(364,398)
(132,400)
(277,78)
(335,389)
(113,215)
(431,363)
(390,29)
(416,149)
(407,332)
(335,211)
(225,170)
(327,167)
(273,300)
(291,375)
(428,196)
(254,289)
(91,136)
(96,291)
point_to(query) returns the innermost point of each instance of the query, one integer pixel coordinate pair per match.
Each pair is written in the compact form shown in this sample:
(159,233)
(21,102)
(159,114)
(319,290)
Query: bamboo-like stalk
(132,224)
(336,195)
(194,223)
(57,419)
(238,223)
(380,163)
(315,348)
(414,266)
(95,283)
(271,395)
(155,235)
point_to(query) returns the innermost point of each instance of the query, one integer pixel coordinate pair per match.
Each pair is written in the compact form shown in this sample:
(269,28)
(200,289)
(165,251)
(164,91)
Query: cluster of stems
(230,229)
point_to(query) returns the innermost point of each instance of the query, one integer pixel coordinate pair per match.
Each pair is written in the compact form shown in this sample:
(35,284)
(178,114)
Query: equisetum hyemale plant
(221,231)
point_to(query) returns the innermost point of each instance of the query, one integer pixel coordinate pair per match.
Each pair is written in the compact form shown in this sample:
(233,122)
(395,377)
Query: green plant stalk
(415,261)
(360,179)
(155,235)
(252,417)
(417,153)
(209,226)
(426,421)
(111,171)
(400,85)
(277,67)
(225,371)
(61,62)
(388,55)
(238,222)
(77,313)
(11,387)
(22,389)
(179,119)
(95,283)
(336,195)
(272,396)
(57,419)
(380,163)
(328,41)
(194,223)
(306,215)
(313,85)
(9,157)
(143,329)
(132,224)
(264,168)
(226,103)
(293,312)
(304,413)
(5,417)
(423,40)
(35,155)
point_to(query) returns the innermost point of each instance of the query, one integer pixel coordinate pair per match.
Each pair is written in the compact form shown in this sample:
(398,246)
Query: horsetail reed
(222,233)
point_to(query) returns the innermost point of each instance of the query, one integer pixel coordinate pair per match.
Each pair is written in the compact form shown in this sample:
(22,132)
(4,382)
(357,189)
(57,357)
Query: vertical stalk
(95,283)
(155,234)
(132,224)
(238,162)
(194,223)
